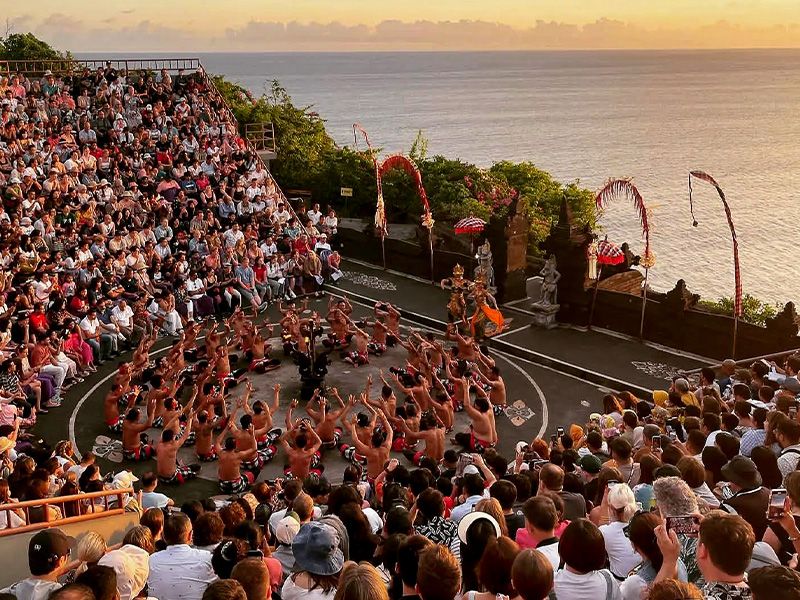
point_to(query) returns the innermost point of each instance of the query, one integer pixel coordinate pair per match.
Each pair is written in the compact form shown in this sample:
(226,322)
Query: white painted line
(509,332)
(74,416)
(603,389)
(539,392)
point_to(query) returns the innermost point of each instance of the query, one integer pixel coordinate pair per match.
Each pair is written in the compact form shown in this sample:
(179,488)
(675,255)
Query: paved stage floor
(541,398)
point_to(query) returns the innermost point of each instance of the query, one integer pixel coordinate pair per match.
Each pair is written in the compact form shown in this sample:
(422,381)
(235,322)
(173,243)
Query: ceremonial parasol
(470,225)
(608,253)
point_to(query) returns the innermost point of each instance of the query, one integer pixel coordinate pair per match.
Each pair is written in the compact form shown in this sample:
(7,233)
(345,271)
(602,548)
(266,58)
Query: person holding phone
(783,534)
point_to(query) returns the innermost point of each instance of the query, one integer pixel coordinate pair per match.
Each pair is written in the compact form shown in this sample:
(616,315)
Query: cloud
(256,35)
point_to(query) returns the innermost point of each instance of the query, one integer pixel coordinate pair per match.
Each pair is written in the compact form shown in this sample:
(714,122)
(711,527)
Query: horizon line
(448,51)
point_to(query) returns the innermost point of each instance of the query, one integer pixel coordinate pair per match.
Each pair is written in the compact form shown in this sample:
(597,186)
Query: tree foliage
(753,310)
(309,159)
(26,46)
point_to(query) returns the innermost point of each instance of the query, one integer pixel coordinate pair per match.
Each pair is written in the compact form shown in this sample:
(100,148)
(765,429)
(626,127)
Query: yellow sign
(346,192)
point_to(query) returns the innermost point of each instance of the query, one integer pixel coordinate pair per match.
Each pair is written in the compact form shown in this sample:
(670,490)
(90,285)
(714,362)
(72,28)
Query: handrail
(26,505)
(250,147)
(748,361)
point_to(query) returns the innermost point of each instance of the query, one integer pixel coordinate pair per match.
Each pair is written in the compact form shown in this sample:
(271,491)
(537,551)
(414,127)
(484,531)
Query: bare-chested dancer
(133,446)
(360,355)
(325,418)
(377,451)
(431,432)
(168,468)
(303,455)
(482,432)
(233,458)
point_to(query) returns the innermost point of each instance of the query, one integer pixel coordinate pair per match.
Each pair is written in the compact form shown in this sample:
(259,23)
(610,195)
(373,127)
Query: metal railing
(23,510)
(71,67)
(746,362)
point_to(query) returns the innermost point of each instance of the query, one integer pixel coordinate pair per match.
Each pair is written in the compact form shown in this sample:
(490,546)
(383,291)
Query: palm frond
(624,188)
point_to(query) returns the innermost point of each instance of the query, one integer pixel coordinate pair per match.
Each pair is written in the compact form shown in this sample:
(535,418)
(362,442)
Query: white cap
(131,566)
(471,470)
(286,530)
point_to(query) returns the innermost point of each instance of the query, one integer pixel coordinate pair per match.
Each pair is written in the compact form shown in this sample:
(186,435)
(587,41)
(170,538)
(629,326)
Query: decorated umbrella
(608,253)
(471,226)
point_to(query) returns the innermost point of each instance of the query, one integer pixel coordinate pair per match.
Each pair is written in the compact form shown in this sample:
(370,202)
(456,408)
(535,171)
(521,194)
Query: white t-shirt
(550,552)
(290,591)
(594,585)
(90,326)
(154,500)
(123,317)
(620,551)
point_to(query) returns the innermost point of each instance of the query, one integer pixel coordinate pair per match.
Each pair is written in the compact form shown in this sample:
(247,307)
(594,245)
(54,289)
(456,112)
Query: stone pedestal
(544,315)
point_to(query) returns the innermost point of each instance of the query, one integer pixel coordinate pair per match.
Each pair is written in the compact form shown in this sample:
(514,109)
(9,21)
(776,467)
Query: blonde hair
(361,582)
(90,548)
(491,506)
(622,502)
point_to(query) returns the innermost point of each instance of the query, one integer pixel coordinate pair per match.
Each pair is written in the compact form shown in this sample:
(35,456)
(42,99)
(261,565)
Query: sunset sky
(251,25)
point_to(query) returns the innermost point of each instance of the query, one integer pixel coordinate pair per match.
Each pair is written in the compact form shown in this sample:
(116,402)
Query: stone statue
(550,278)
(591,256)
(485,267)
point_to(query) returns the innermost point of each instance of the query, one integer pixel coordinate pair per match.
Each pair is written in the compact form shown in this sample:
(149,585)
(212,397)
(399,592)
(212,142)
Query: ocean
(588,116)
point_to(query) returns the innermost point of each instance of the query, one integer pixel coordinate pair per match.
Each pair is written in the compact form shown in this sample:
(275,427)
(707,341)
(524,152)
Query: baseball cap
(591,464)
(471,470)
(286,530)
(46,548)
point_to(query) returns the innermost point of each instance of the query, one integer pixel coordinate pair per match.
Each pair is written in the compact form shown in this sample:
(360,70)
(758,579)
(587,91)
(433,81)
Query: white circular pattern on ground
(369,281)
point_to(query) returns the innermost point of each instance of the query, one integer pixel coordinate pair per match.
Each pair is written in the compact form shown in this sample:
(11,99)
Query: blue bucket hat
(316,549)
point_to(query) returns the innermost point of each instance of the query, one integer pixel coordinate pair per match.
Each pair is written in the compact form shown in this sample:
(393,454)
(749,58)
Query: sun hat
(521,445)
(466,522)
(131,566)
(286,530)
(742,471)
(124,479)
(5,444)
(316,550)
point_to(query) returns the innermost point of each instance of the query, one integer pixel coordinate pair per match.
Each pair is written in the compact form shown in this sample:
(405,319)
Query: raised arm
(276,398)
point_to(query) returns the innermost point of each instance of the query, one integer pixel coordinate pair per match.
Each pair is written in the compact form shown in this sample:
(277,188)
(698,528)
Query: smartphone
(673,436)
(656,441)
(687,525)
(777,498)
(793,413)
(560,431)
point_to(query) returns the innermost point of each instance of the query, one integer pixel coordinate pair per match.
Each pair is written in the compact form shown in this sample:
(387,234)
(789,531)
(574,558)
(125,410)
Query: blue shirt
(462,510)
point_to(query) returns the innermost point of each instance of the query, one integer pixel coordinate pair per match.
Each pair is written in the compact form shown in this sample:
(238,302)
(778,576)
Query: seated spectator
(179,570)
(494,570)
(621,554)
(48,551)
(750,499)
(641,532)
(438,574)
(531,575)
(541,519)
(551,478)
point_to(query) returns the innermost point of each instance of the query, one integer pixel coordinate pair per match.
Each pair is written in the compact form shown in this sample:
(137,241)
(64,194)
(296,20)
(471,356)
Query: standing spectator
(318,562)
(583,552)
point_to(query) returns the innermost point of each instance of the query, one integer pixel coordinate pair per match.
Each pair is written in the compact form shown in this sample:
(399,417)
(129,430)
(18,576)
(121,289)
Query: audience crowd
(132,209)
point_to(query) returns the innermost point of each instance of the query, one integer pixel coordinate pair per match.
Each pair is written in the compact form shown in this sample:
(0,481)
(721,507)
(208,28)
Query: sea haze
(588,116)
